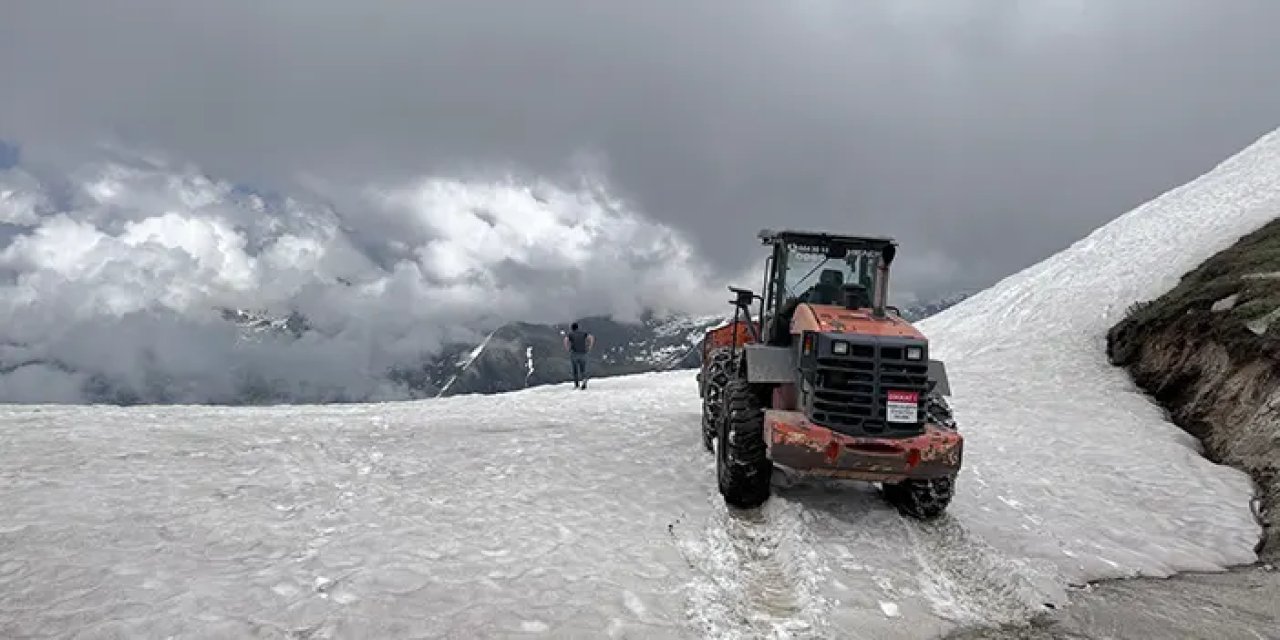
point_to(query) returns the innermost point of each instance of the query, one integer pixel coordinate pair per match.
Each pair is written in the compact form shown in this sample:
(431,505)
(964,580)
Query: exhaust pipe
(882,282)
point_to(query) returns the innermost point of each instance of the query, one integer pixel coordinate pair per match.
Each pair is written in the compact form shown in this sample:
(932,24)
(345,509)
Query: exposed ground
(1239,604)
(1209,352)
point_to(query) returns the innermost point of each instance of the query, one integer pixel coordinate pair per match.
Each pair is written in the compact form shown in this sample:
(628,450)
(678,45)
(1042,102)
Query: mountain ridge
(514,355)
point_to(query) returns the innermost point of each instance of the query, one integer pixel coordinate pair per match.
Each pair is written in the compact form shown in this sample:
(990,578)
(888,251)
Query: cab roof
(820,239)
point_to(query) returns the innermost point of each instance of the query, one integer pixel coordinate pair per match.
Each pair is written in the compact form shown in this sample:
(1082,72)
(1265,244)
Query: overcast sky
(984,135)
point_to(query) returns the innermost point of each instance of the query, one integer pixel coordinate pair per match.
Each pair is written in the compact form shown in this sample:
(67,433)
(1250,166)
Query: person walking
(578,343)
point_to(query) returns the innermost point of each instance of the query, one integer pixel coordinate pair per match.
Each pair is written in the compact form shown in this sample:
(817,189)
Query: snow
(551,512)
(1066,461)
(1226,304)
(465,361)
(1261,325)
(692,326)
(547,512)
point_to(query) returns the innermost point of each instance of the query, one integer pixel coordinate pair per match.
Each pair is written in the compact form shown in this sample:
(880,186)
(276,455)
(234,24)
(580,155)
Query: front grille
(849,393)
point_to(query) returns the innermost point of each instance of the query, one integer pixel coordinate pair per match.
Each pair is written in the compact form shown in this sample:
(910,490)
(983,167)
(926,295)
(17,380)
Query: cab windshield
(814,277)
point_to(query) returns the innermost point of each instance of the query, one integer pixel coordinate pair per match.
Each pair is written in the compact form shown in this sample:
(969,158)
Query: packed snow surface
(553,512)
(549,512)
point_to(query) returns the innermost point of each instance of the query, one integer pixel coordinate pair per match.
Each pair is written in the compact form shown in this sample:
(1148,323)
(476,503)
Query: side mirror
(744,296)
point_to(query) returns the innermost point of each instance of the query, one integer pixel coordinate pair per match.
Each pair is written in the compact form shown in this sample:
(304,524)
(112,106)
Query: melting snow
(558,513)
(1226,304)
(1261,325)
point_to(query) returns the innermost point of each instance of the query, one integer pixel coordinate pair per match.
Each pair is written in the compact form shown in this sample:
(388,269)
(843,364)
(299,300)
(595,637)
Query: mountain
(521,355)
(921,310)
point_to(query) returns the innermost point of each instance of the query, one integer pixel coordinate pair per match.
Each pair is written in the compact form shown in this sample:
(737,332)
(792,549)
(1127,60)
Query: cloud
(991,132)
(118,293)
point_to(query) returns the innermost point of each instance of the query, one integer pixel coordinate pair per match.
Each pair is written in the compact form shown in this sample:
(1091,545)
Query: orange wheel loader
(825,379)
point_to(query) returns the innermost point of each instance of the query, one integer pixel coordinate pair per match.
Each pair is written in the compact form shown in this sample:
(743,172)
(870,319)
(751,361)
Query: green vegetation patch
(1249,270)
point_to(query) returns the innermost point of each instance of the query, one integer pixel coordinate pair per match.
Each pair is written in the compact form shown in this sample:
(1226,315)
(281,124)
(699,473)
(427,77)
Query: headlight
(840,348)
(915,353)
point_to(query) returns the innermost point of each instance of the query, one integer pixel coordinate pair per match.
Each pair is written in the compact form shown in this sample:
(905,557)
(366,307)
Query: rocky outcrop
(1209,352)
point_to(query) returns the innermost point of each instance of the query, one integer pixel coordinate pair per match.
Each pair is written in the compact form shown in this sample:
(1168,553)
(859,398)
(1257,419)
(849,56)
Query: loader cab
(820,268)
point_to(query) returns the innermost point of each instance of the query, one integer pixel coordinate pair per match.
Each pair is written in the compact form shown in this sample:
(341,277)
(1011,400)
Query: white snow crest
(1065,459)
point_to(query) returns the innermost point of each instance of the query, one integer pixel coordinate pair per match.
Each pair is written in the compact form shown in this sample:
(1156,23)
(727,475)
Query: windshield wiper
(815,268)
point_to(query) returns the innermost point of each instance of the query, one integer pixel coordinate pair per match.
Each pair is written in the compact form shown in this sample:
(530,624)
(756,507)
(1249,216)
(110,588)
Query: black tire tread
(938,411)
(745,469)
(921,498)
(720,369)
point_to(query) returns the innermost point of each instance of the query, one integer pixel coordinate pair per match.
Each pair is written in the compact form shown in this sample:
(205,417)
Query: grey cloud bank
(118,292)
(984,134)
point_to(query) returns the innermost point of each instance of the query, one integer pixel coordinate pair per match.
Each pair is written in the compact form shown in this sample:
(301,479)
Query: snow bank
(1066,460)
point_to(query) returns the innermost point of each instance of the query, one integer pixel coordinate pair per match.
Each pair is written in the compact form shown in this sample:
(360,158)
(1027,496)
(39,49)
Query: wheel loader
(825,379)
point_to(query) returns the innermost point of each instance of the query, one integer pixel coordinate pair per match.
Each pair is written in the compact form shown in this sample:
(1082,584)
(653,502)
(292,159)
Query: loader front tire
(743,470)
(921,498)
(720,369)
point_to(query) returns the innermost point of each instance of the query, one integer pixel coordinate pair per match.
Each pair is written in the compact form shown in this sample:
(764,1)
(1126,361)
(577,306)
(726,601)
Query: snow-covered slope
(551,512)
(1066,459)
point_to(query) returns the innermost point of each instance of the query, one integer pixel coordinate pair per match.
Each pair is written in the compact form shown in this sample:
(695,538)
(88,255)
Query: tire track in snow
(967,581)
(759,573)
(936,567)
(763,573)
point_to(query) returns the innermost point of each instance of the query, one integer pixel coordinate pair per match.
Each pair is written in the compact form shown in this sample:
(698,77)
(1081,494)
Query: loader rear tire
(743,470)
(921,498)
(720,369)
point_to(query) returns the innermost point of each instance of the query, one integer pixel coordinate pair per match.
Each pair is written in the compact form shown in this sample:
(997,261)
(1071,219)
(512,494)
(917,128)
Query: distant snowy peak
(520,355)
(258,324)
(922,310)
(670,343)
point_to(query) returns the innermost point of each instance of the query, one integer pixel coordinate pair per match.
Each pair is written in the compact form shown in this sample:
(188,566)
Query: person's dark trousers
(579,361)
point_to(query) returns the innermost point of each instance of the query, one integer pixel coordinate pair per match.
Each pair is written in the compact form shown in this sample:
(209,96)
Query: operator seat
(827,290)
